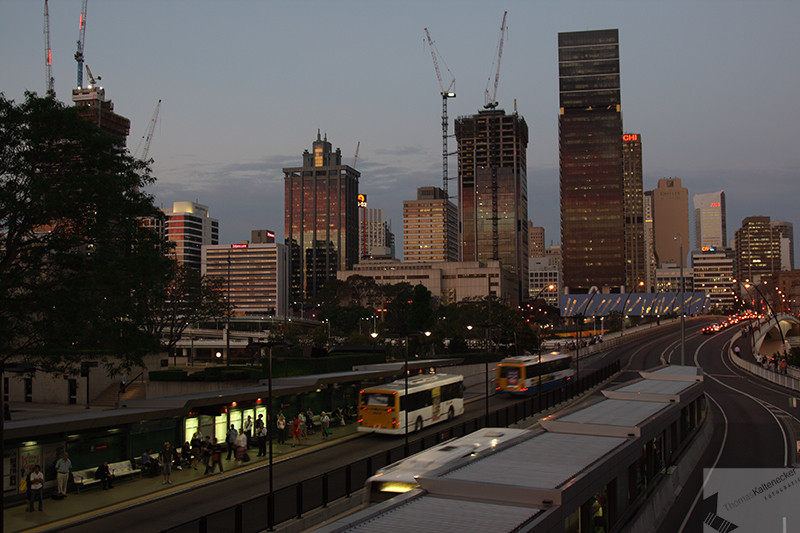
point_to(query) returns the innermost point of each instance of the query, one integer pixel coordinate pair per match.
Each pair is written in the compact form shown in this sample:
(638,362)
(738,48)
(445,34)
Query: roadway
(746,416)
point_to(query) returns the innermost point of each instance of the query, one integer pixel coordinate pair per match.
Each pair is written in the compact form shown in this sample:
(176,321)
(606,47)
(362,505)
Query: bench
(123,469)
(84,478)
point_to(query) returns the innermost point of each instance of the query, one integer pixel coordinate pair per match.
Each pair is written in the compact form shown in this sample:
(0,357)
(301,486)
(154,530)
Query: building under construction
(92,105)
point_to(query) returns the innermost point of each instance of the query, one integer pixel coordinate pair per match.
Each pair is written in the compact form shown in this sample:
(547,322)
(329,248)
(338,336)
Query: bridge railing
(265,511)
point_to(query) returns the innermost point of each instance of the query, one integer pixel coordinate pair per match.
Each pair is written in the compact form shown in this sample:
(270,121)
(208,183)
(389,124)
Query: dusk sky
(713,87)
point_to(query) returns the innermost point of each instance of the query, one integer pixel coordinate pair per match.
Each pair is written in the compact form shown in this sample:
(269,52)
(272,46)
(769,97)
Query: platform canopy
(633,304)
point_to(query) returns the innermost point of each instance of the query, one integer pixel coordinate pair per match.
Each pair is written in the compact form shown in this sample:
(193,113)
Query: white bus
(524,374)
(431,398)
(399,477)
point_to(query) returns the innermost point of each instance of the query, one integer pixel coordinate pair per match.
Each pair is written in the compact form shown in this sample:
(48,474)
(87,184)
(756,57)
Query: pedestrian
(295,430)
(259,423)
(261,435)
(325,424)
(783,366)
(281,425)
(63,467)
(103,473)
(248,429)
(196,444)
(36,486)
(166,463)
(216,456)
(230,440)
(206,449)
(309,421)
(241,446)
(303,429)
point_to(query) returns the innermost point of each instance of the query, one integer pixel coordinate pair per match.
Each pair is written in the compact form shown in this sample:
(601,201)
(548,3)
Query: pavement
(128,492)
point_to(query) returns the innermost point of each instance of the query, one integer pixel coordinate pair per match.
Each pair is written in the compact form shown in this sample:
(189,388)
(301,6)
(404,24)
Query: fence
(267,510)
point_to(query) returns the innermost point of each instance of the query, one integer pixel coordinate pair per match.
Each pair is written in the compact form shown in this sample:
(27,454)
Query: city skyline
(714,109)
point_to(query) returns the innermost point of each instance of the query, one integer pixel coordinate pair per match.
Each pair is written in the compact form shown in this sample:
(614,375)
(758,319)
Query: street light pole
(683,304)
(578,341)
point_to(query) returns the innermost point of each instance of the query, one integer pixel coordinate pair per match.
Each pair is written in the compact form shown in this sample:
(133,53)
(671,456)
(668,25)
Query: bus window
(377,399)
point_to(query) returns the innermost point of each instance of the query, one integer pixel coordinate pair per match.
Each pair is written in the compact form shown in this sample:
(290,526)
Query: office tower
(373,231)
(190,226)
(710,228)
(321,218)
(758,249)
(785,231)
(255,275)
(535,240)
(92,105)
(544,272)
(712,269)
(430,227)
(671,221)
(650,262)
(493,191)
(592,188)
(635,265)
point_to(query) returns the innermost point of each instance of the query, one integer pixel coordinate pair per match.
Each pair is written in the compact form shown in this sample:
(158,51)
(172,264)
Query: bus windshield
(377,399)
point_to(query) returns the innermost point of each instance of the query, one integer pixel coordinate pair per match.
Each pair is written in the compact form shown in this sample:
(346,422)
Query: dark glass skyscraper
(634,213)
(321,219)
(592,188)
(493,190)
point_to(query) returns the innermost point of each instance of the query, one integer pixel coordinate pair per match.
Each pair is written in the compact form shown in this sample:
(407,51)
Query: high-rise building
(712,270)
(632,175)
(255,276)
(536,240)
(321,218)
(544,272)
(493,191)
(190,227)
(785,231)
(671,221)
(373,231)
(710,227)
(758,249)
(430,227)
(650,263)
(591,181)
(92,105)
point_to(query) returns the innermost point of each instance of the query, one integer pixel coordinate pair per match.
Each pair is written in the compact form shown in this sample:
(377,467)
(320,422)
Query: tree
(183,298)
(76,262)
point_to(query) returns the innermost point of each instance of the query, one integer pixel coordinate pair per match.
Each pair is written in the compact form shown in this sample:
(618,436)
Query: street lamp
(683,303)
(581,316)
(260,346)
(405,398)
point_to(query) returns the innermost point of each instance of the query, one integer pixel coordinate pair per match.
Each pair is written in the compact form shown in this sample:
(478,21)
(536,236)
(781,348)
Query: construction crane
(148,136)
(446,93)
(92,80)
(48,55)
(81,40)
(491,102)
(355,159)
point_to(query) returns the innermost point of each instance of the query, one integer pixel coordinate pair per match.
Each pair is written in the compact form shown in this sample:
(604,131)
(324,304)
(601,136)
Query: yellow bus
(431,398)
(524,374)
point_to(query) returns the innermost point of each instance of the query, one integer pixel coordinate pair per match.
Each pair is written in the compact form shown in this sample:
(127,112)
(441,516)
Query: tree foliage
(76,264)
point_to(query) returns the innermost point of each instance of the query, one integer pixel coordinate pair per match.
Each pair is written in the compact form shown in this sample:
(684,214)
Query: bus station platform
(129,492)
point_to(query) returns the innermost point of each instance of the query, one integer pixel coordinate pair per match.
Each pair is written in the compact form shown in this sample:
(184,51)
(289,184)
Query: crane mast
(48,55)
(491,103)
(446,93)
(148,136)
(81,40)
(355,159)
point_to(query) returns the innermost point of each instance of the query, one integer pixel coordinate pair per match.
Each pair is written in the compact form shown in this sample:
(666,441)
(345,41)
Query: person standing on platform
(295,431)
(36,484)
(63,467)
(248,429)
(230,440)
(281,424)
